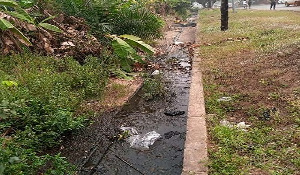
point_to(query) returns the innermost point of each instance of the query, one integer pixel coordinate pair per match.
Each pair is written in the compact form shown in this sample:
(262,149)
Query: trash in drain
(140,141)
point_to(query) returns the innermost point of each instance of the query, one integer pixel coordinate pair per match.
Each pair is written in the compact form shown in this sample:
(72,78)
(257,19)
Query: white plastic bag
(141,142)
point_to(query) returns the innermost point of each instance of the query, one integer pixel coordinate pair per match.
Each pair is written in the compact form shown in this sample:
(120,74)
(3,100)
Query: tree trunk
(224,15)
(209,4)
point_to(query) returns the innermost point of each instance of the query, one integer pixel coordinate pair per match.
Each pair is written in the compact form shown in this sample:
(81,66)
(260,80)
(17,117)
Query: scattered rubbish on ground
(224,99)
(156,72)
(178,42)
(267,114)
(226,123)
(240,125)
(130,130)
(141,142)
(174,113)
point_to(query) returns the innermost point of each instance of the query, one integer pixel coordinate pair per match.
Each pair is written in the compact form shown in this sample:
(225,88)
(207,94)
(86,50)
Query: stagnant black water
(95,153)
(165,156)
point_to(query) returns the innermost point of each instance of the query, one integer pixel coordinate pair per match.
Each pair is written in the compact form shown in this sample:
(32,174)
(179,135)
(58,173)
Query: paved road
(278,7)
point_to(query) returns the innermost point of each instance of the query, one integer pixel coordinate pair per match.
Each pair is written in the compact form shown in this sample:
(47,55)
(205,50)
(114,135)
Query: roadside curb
(195,152)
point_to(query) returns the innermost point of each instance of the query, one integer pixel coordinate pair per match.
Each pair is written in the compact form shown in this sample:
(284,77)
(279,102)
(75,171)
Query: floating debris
(170,134)
(141,142)
(174,113)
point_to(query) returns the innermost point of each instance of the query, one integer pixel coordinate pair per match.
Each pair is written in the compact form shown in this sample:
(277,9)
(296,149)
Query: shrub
(138,21)
(153,87)
(116,17)
(38,100)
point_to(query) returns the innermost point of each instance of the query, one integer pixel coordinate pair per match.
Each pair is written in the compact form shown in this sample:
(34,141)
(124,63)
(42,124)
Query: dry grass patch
(256,63)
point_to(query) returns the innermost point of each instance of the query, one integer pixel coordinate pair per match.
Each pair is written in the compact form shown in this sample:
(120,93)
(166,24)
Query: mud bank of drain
(94,151)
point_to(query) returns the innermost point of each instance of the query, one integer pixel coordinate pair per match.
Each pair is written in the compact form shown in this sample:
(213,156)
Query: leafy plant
(116,16)
(21,14)
(153,87)
(39,107)
(124,47)
(139,21)
(9,83)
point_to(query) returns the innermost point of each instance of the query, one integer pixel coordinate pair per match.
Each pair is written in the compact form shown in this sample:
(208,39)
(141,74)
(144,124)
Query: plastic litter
(178,42)
(225,99)
(141,142)
(131,130)
(241,125)
(226,123)
(156,72)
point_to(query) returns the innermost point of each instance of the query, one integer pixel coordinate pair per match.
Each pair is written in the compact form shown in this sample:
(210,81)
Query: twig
(7,132)
(93,170)
(131,166)
(88,158)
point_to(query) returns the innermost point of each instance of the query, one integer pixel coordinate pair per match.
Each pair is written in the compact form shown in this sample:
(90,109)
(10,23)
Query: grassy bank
(255,64)
(40,98)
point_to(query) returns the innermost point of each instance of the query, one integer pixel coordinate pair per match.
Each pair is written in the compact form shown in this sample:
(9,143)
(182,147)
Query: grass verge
(256,63)
(39,99)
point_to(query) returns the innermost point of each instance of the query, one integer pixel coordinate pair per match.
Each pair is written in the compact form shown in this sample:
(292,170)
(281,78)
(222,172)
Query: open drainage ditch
(95,153)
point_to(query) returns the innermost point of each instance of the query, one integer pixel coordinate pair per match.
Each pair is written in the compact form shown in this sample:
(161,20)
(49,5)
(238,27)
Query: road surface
(278,7)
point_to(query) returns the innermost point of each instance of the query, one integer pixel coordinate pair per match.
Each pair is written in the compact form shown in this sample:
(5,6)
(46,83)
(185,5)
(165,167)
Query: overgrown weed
(41,107)
(153,87)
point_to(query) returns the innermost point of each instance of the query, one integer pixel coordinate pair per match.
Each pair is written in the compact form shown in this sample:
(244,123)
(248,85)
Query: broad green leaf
(2,168)
(8,3)
(126,64)
(20,36)
(23,12)
(50,27)
(21,16)
(9,83)
(136,42)
(4,24)
(137,58)
(26,3)
(132,37)
(121,48)
(49,18)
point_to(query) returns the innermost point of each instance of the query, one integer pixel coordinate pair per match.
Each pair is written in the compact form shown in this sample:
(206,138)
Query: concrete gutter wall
(195,152)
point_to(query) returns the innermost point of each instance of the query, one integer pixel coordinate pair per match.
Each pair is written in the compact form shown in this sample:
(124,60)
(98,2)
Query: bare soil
(256,78)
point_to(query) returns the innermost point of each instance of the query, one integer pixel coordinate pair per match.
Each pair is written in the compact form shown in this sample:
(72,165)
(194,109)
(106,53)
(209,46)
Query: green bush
(137,21)
(115,17)
(38,100)
(153,87)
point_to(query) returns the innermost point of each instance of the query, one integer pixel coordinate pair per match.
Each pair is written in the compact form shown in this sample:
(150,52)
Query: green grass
(41,107)
(265,32)
(241,63)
